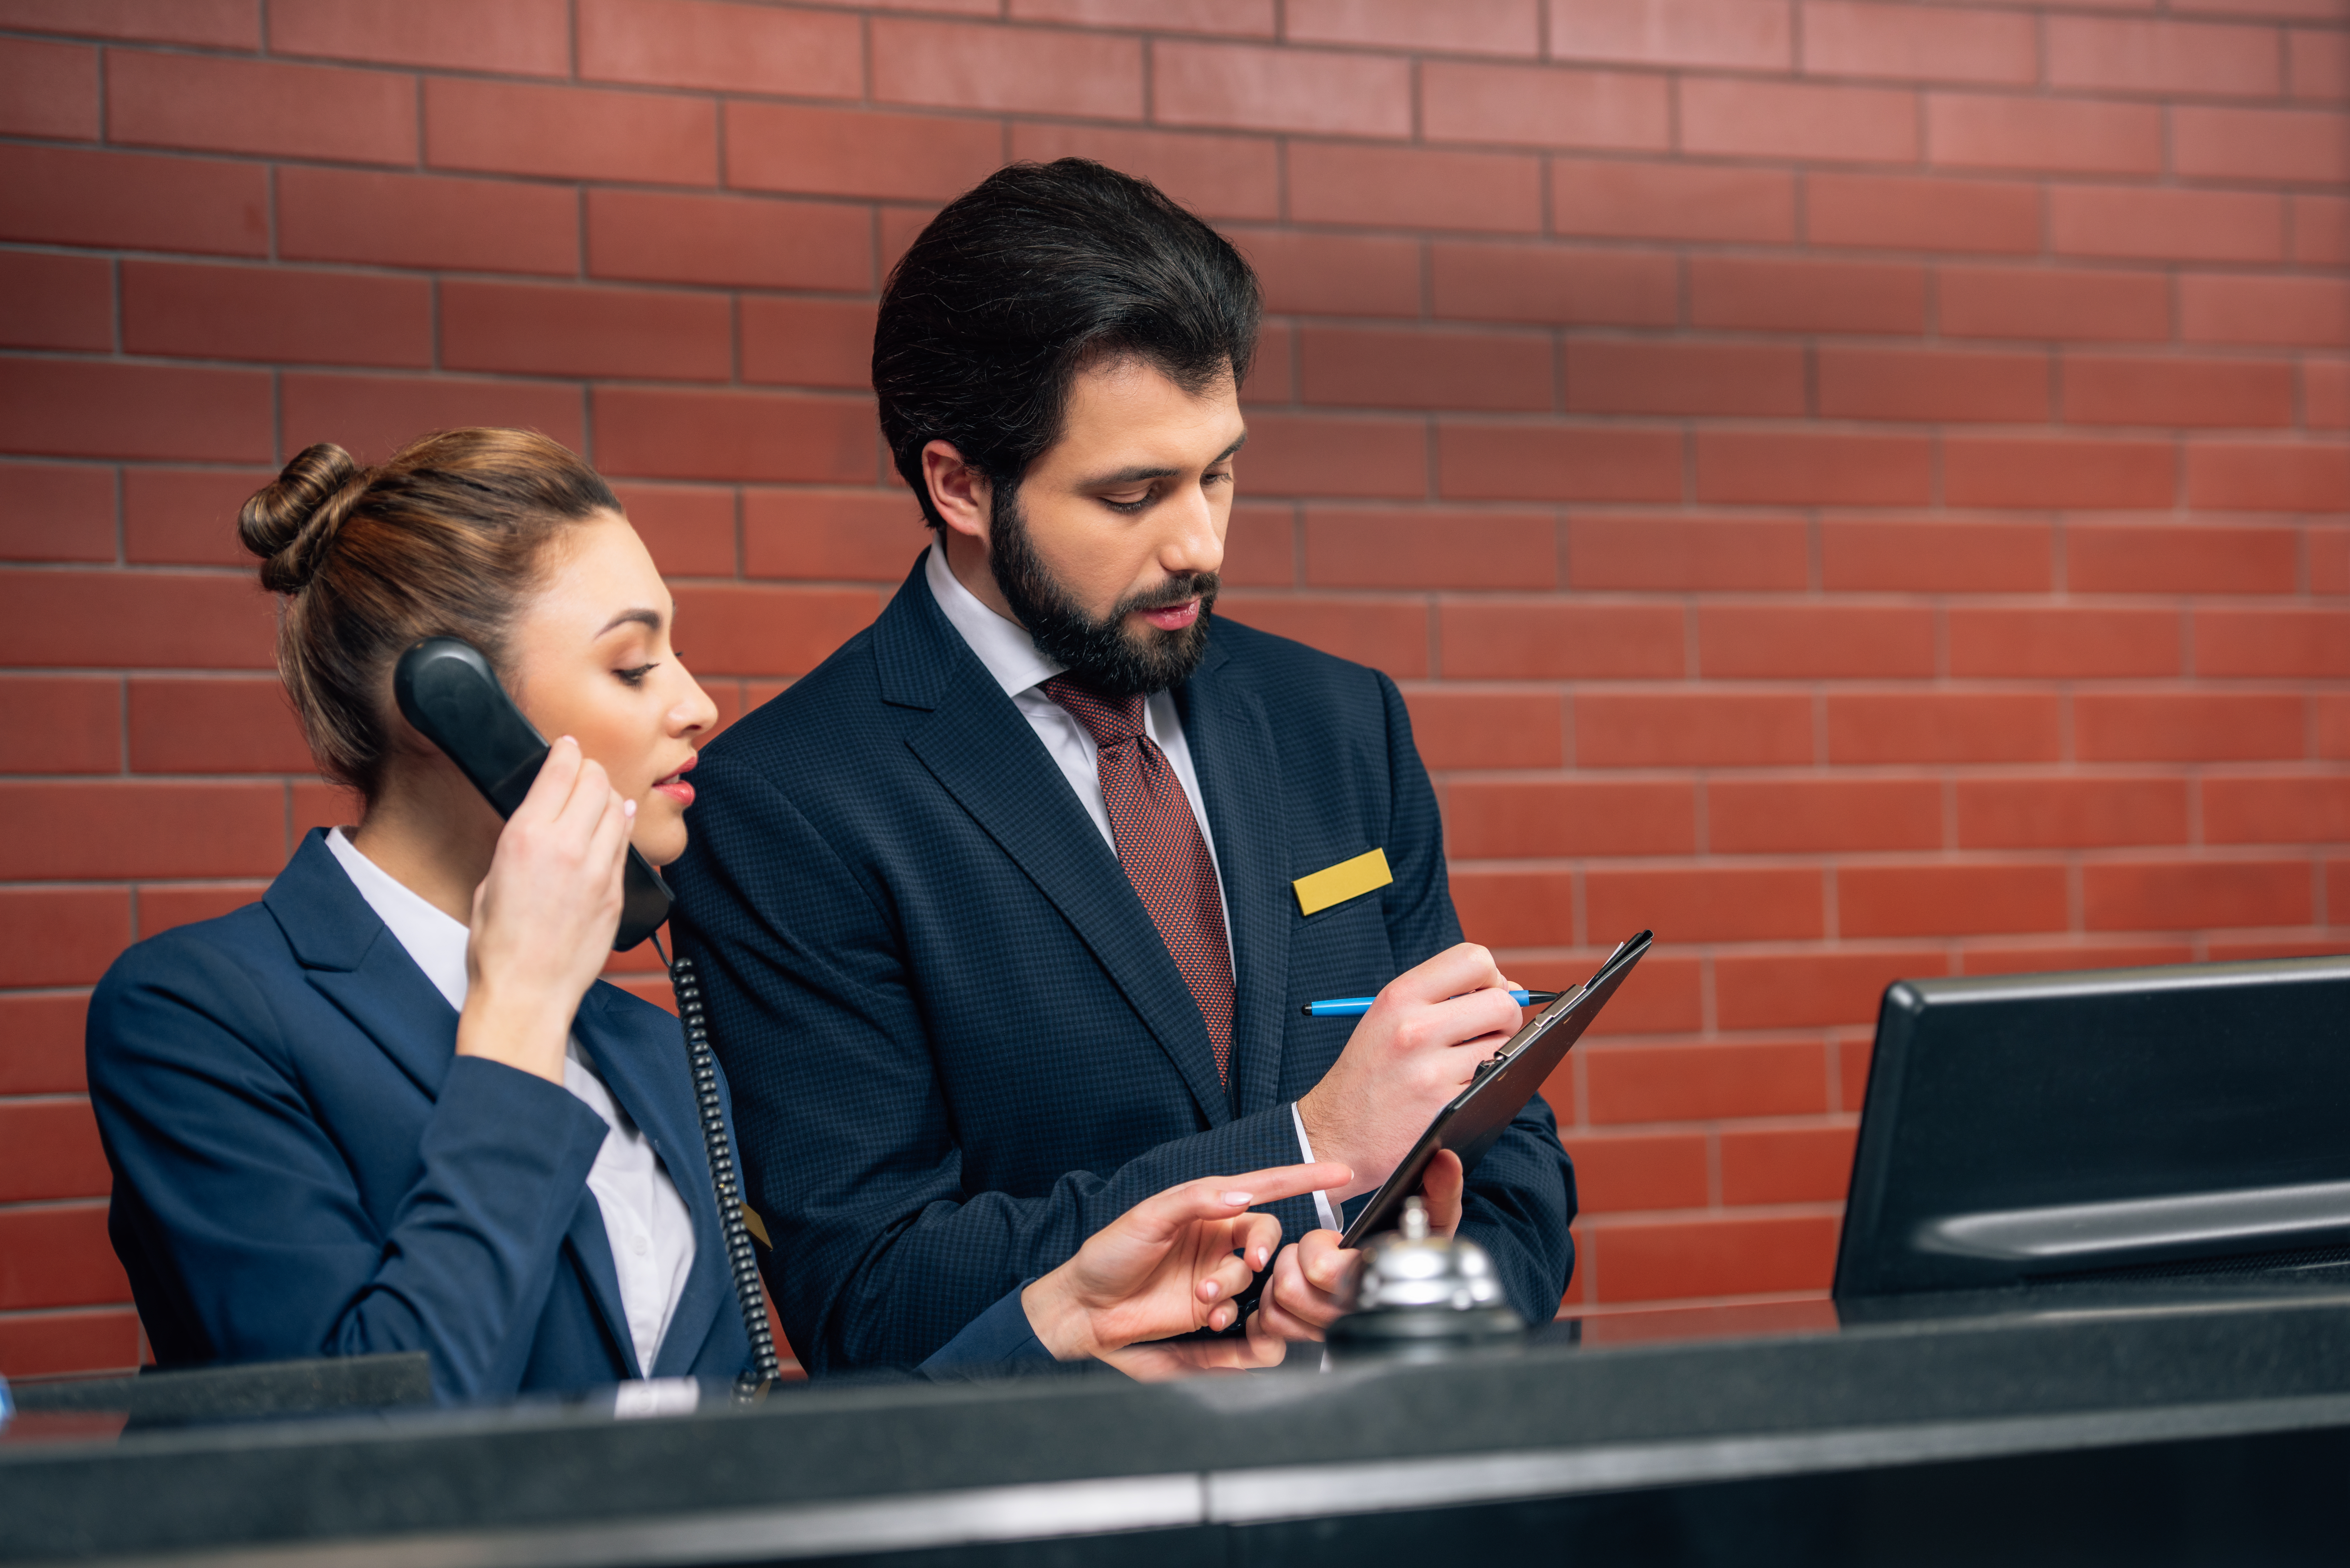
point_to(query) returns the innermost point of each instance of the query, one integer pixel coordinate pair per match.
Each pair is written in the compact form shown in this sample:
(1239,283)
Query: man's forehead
(1127,412)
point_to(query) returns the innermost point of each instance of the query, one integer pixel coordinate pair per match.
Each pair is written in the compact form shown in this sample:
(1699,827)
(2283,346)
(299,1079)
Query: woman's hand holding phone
(544,917)
(1170,1265)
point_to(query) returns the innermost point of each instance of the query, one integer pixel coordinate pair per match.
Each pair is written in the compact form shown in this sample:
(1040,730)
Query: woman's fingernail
(1241,1199)
(627,808)
(1263,1255)
(1210,1290)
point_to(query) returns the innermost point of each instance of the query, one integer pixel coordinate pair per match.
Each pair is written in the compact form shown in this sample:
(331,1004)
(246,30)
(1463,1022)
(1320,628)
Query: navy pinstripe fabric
(957,1043)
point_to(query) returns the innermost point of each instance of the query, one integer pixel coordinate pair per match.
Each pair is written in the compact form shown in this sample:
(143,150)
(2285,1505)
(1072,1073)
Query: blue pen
(1356,1006)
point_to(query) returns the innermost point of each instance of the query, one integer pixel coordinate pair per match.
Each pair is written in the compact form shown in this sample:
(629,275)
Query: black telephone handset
(448,691)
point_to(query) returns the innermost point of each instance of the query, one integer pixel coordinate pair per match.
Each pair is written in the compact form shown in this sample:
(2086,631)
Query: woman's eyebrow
(649,619)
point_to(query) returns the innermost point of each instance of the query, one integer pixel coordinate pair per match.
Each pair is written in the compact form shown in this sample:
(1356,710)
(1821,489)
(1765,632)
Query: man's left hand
(1309,1279)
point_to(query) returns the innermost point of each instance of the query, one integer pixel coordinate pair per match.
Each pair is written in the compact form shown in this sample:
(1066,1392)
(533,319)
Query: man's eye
(635,676)
(1136,505)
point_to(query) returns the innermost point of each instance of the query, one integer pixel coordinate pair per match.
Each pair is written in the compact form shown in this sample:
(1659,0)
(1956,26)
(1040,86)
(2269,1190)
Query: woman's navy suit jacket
(304,1166)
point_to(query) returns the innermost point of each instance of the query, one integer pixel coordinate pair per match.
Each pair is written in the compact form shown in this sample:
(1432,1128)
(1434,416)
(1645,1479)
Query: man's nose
(1194,543)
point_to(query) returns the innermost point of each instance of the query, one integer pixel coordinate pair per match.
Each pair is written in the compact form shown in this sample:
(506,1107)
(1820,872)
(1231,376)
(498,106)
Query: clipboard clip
(1503,1053)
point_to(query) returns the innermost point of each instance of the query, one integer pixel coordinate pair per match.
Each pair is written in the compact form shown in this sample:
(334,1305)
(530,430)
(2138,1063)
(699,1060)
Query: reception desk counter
(2063,1425)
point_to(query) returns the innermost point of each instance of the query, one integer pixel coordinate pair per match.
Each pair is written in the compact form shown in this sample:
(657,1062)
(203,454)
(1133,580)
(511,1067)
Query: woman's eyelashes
(635,676)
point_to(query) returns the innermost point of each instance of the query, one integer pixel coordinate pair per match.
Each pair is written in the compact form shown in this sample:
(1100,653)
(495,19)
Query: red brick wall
(1859,487)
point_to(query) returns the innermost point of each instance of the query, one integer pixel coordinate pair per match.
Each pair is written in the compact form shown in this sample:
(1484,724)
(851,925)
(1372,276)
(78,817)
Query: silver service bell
(1417,1294)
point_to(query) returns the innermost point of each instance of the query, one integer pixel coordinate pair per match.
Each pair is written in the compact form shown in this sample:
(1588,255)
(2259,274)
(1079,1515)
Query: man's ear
(959,492)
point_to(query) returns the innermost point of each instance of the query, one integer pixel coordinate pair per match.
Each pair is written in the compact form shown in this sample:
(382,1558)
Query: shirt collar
(1003,646)
(435,941)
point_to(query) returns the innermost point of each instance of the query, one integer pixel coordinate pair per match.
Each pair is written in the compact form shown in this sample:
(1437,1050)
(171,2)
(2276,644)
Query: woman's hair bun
(291,522)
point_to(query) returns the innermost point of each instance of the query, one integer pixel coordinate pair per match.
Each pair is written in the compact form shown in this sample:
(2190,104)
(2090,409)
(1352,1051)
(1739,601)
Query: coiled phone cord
(749,1291)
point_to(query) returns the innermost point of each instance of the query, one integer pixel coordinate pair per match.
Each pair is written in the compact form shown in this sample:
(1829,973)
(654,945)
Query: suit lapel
(1240,782)
(647,1073)
(352,958)
(980,748)
(591,1252)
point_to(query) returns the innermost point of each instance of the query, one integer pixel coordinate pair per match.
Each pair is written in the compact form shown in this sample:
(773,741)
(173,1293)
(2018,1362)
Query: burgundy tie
(1158,844)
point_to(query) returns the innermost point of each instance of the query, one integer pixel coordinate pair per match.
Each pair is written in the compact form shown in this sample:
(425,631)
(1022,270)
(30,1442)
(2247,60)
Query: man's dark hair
(1026,278)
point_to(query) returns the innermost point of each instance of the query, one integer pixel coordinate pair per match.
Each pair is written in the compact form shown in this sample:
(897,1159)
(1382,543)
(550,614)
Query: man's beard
(1102,653)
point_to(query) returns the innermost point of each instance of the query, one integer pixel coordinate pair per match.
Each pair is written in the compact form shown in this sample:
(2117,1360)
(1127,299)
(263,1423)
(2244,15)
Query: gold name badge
(1348,879)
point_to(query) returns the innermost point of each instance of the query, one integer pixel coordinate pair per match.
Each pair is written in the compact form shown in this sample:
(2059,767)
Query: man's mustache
(1175,591)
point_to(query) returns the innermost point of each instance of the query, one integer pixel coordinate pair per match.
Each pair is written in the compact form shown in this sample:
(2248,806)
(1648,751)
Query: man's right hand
(1416,1048)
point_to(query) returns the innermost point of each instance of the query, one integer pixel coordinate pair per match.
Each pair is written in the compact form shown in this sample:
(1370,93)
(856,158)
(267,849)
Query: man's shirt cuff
(1324,1209)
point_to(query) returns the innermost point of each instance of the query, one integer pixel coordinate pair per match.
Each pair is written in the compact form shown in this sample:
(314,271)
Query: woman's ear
(959,492)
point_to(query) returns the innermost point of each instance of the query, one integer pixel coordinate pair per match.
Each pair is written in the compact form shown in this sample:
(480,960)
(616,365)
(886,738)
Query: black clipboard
(1504,1084)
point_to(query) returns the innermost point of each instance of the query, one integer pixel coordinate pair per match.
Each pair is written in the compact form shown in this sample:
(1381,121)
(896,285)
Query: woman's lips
(675,787)
(1175,617)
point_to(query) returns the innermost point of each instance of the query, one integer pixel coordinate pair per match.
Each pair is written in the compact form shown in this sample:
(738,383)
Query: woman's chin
(660,833)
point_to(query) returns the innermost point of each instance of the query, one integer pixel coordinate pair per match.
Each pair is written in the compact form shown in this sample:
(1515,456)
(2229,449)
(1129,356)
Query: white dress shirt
(651,1231)
(1012,657)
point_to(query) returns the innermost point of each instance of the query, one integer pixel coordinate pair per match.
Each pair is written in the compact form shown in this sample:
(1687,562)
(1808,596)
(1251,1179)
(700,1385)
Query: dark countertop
(837,1468)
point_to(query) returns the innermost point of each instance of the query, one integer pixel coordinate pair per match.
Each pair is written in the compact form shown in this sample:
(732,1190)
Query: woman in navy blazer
(391,1107)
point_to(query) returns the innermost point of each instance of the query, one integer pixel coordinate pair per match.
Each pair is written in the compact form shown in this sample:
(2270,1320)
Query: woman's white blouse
(650,1229)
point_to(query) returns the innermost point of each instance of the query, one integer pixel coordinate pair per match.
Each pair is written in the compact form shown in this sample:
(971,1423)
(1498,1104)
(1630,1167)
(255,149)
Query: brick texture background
(1860,487)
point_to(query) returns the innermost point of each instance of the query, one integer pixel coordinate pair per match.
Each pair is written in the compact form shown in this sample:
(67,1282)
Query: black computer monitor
(2109,1124)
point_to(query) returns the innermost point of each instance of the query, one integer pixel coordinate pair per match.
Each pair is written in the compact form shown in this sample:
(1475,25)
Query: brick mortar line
(2040,176)
(22,1313)
(1798,1209)
(1764,1124)
(1791,75)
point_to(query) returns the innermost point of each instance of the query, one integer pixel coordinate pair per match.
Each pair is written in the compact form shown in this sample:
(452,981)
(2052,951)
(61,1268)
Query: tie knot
(1110,720)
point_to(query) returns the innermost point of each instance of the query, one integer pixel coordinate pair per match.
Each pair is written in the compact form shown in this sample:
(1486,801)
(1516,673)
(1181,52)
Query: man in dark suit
(1007,909)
